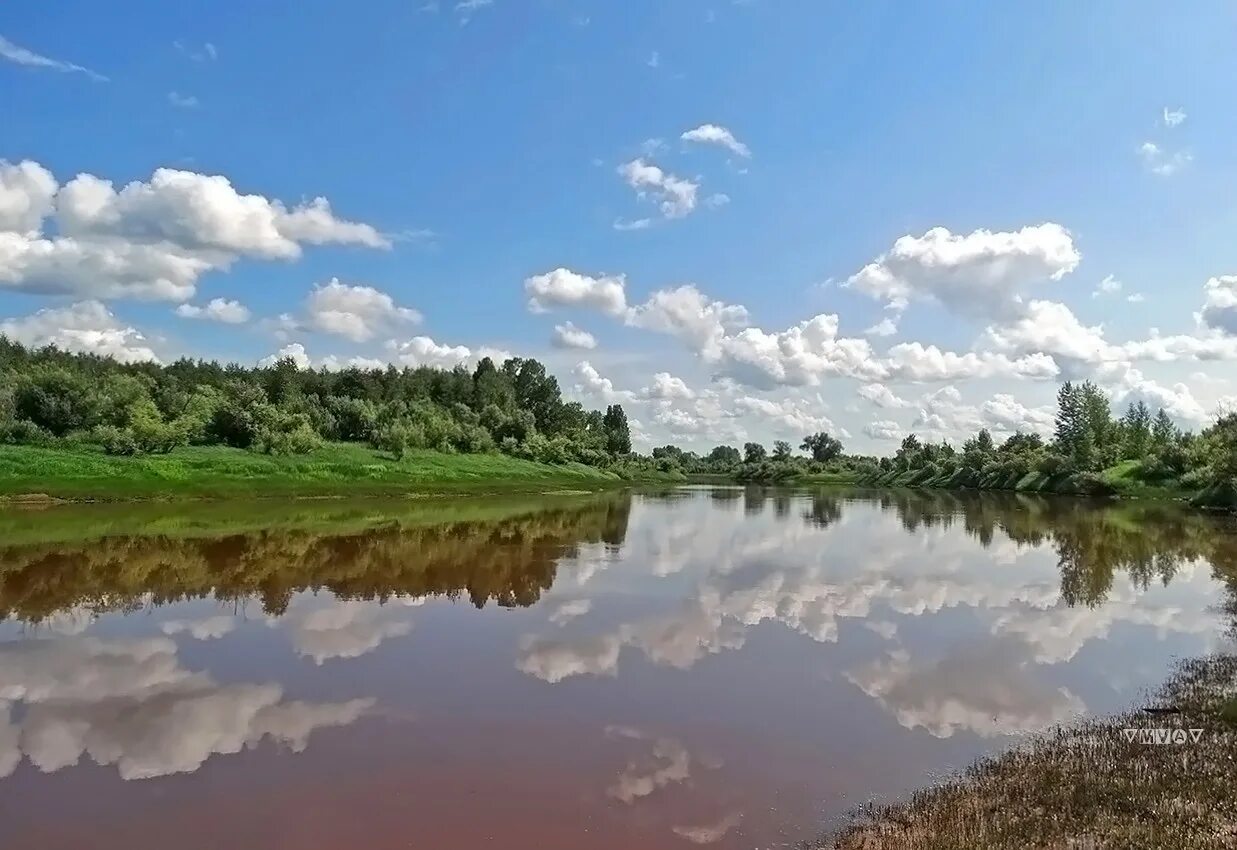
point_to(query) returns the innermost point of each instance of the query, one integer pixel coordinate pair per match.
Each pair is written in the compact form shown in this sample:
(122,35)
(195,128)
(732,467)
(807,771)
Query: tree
(724,457)
(822,447)
(617,431)
(1136,428)
(754,453)
(781,450)
(1163,431)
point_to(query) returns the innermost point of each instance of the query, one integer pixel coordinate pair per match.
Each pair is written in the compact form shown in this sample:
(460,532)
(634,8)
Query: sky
(740,219)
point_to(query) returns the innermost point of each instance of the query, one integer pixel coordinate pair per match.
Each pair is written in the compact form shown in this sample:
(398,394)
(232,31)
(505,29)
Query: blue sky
(467,153)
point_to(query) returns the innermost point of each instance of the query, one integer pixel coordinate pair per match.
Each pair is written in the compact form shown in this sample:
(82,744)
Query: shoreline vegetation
(1087,785)
(77,427)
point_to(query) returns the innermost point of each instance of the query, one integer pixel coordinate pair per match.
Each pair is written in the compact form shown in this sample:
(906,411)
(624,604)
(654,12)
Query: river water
(693,667)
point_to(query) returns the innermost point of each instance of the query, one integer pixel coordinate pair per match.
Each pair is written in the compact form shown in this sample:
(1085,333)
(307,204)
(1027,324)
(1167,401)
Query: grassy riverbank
(1124,480)
(219,472)
(1086,786)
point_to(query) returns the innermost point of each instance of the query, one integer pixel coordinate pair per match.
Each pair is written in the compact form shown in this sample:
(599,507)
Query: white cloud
(216,310)
(988,691)
(207,628)
(881,396)
(884,429)
(676,196)
(1173,117)
(709,833)
(712,134)
(569,336)
(149,240)
(981,273)
(358,313)
(201,212)
(423,351)
(27,196)
(591,382)
(22,56)
(129,703)
(87,327)
(1220,303)
(183,101)
(888,326)
(565,288)
(293,351)
(1160,162)
(1177,400)
(345,628)
(790,416)
(1108,286)
(668,763)
(1003,412)
(667,386)
(690,315)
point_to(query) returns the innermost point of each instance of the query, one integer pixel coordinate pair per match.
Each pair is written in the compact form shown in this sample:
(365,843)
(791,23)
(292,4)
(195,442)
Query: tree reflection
(1093,540)
(510,561)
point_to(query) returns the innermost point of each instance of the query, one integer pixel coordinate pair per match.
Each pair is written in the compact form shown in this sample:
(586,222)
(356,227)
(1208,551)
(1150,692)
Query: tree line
(49,397)
(1090,451)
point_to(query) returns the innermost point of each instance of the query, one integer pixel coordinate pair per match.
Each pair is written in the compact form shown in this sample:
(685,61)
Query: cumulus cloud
(668,763)
(292,351)
(667,386)
(152,239)
(86,327)
(346,628)
(565,288)
(423,351)
(1003,412)
(989,691)
(888,326)
(207,628)
(884,429)
(881,396)
(569,336)
(676,197)
(1220,303)
(27,196)
(712,134)
(980,273)
(593,383)
(690,315)
(130,703)
(230,312)
(358,313)
(1173,117)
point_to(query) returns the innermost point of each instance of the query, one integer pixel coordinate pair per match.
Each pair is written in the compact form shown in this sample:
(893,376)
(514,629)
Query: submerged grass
(1086,786)
(215,471)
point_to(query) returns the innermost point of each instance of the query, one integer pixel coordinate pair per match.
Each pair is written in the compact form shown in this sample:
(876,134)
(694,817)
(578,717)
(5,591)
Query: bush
(115,440)
(26,433)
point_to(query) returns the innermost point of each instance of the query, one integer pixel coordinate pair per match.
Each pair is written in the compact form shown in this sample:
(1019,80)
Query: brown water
(696,667)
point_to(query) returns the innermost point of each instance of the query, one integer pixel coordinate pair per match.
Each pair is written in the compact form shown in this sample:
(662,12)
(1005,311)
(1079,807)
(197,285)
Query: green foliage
(52,397)
(753,453)
(822,447)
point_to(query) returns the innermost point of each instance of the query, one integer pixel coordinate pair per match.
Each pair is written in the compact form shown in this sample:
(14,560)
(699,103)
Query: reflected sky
(704,666)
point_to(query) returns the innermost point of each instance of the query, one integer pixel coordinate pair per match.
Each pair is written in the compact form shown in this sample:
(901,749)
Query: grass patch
(1085,786)
(215,471)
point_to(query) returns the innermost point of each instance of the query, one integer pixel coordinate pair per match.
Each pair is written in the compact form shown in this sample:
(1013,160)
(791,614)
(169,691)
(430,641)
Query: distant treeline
(50,397)
(1090,452)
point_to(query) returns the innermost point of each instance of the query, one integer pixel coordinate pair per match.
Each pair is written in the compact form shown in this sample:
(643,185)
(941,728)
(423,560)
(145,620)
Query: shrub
(115,440)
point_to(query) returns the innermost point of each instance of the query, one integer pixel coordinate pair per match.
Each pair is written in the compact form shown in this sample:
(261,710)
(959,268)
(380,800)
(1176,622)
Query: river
(690,667)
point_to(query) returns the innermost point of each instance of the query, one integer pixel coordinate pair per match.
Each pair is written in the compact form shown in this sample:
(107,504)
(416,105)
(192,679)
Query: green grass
(44,523)
(218,472)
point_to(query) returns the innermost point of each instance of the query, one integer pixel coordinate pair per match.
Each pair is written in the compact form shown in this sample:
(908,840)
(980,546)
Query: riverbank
(1124,480)
(337,469)
(1086,786)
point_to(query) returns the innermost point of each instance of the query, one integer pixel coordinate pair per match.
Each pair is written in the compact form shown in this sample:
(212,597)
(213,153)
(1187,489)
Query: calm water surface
(711,667)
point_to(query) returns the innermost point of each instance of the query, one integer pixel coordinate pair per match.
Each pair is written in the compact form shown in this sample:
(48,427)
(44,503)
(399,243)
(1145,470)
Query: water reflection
(696,666)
